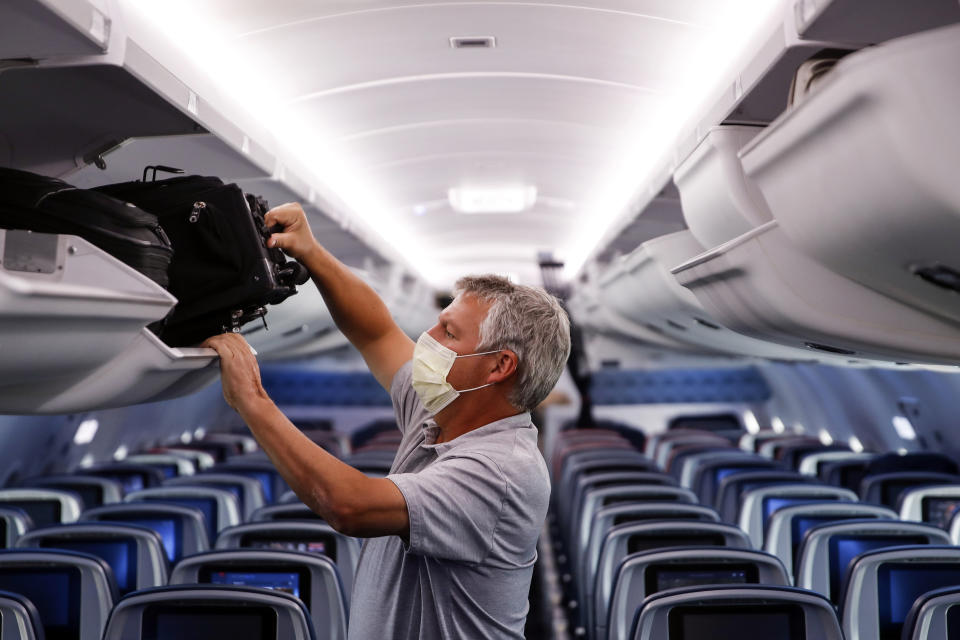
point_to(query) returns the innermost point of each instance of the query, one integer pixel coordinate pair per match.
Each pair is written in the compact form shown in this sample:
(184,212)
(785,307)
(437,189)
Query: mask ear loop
(483,386)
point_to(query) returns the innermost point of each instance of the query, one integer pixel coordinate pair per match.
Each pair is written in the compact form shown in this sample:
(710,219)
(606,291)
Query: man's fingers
(281,240)
(285,214)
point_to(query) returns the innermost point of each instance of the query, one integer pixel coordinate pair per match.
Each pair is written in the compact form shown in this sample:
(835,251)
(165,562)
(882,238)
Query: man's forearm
(347,499)
(356,308)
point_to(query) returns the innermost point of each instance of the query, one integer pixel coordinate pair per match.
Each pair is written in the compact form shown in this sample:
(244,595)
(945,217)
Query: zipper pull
(195,212)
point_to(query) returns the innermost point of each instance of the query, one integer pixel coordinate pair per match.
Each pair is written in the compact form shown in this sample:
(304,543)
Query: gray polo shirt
(477,506)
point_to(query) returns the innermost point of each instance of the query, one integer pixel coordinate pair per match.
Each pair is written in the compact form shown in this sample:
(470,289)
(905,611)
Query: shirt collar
(431,431)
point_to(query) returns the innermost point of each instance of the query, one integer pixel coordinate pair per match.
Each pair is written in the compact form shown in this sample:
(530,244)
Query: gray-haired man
(454,526)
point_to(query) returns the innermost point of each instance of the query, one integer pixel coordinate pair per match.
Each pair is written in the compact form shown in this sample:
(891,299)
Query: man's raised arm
(356,308)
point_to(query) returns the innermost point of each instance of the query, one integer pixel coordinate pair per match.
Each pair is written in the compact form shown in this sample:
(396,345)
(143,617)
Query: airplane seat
(935,504)
(753,442)
(644,574)
(19,618)
(565,451)
(238,442)
(656,443)
(759,504)
(220,507)
(181,529)
(633,434)
(827,550)
(314,579)
(310,537)
(219,451)
(248,491)
(377,463)
(44,506)
(584,460)
(673,455)
(732,612)
(334,442)
(365,433)
(73,592)
(273,483)
(285,511)
(135,554)
(586,555)
(710,474)
(173,465)
(811,464)
(201,612)
(201,459)
(788,526)
(882,586)
(793,454)
(575,518)
(934,614)
(132,476)
(773,447)
(289,497)
(625,540)
(93,491)
(734,486)
(13,524)
(727,424)
(690,469)
(885,488)
(846,472)
(921,461)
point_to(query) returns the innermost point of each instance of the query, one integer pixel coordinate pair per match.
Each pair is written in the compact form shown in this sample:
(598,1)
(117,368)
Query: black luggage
(223,274)
(32,202)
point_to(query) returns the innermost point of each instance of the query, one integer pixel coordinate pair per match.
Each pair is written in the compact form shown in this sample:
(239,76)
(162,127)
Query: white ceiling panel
(576,99)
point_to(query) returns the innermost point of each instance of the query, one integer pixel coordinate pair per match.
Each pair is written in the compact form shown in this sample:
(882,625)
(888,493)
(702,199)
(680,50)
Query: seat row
(638,523)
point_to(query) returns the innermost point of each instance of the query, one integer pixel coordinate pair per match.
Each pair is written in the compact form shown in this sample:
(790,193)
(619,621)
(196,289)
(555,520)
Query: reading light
(121,452)
(86,431)
(855,445)
(825,437)
(750,422)
(904,428)
(492,199)
(778,425)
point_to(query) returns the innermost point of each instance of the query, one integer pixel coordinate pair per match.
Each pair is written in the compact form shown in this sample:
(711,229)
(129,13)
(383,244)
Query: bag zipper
(195,212)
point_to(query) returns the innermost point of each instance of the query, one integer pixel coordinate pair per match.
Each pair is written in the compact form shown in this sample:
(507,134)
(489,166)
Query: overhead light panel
(492,199)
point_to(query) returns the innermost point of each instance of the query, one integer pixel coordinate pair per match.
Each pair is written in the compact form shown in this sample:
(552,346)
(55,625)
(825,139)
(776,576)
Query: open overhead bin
(35,29)
(719,202)
(761,285)
(862,175)
(73,331)
(641,288)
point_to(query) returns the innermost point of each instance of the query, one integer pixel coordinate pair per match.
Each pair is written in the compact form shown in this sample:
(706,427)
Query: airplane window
(729,622)
(899,585)
(659,578)
(55,593)
(843,549)
(203,623)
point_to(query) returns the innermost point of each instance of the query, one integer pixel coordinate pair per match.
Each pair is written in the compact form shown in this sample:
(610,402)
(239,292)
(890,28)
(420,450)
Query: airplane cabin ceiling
(577,99)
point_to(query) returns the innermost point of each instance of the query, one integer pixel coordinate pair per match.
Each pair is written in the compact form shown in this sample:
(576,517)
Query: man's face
(458,328)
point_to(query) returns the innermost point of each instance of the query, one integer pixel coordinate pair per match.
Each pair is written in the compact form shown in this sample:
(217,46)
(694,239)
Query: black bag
(32,202)
(223,274)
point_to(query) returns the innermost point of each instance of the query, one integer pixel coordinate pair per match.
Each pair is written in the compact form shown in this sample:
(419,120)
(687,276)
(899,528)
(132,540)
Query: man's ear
(505,366)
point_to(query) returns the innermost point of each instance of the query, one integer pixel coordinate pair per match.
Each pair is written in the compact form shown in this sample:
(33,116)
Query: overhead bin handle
(158,167)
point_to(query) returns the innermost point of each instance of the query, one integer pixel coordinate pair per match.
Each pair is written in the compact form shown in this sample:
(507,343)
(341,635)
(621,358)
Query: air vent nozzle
(473,42)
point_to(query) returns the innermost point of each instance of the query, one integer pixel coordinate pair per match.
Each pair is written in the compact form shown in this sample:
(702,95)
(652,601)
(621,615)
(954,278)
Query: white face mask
(431,363)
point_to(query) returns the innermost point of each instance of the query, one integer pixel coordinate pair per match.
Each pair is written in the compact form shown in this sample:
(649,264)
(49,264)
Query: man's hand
(296,239)
(239,371)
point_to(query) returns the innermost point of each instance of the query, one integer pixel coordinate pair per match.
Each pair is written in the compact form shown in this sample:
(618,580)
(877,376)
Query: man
(454,526)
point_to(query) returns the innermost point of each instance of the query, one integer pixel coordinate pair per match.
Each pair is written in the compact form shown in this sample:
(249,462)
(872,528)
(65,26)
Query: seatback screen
(54,591)
(170,530)
(131,480)
(799,526)
(646,543)
(292,580)
(206,622)
(91,494)
(299,514)
(661,515)
(44,513)
(674,576)
(633,497)
(898,585)
(772,503)
(843,549)
(953,623)
(890,492)
(207,506)
(307,542)
(119,553)
(939,511)
(265,478)
(735,622)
